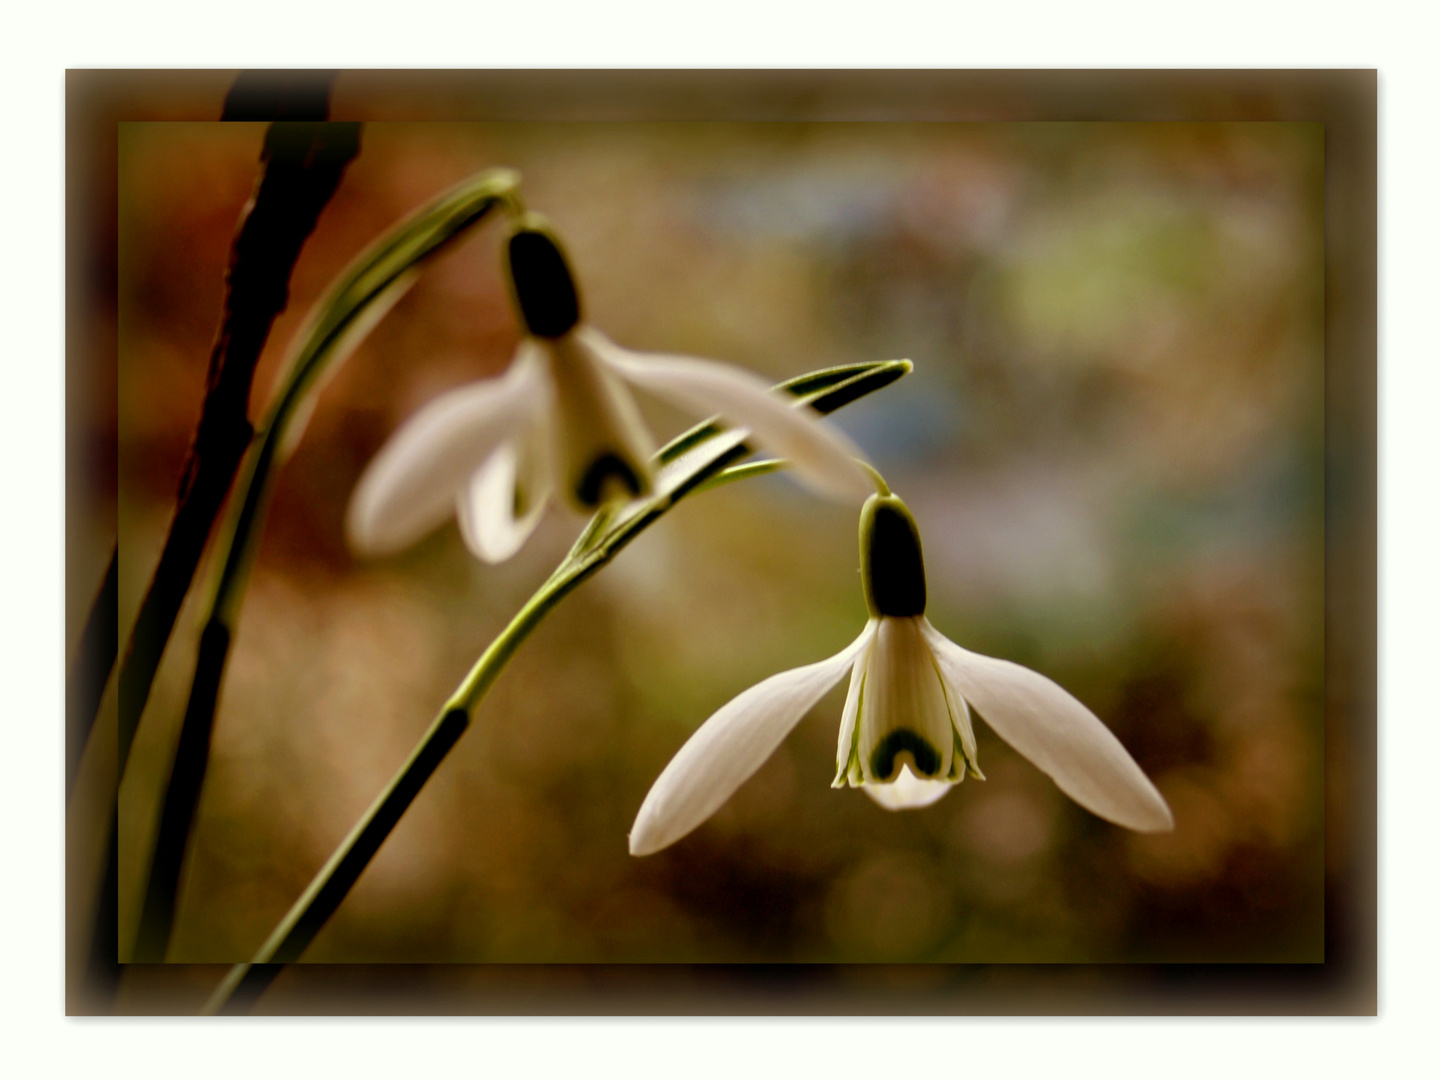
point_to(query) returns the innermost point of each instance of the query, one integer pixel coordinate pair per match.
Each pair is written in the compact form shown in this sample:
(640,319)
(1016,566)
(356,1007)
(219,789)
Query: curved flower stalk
(698,459)
(562,419)
(906,733)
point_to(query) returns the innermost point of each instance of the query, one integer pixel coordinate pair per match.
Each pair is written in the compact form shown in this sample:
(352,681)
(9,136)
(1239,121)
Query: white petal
(517,473)
(1060,735)
(908,791)
(819,453)
(597,426)
(846,744)
(411,485)
(967,757)
(904,712)
(727,749)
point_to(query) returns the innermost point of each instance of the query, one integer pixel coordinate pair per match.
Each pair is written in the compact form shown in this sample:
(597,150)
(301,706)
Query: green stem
(742,472)
(882,488)
(824,391)
(304,920)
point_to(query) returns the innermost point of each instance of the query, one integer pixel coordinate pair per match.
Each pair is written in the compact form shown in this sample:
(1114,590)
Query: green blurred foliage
(1112,442)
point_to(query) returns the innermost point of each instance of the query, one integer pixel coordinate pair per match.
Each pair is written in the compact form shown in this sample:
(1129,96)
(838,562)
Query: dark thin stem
(279,95)
(242,988)
(94,660)
(294,935)
(302,166)
(332,884)
(360,847)
(182,795)
(374,281)
(255,95)
(102,958)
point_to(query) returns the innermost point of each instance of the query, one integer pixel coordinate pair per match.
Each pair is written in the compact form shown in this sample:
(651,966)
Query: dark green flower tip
(540,277)
(892,567)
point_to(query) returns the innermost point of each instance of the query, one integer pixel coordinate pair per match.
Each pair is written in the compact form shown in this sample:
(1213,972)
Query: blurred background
(1112,442)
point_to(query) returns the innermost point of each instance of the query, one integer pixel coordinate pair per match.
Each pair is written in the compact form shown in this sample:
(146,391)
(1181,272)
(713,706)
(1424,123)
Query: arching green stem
(704,453)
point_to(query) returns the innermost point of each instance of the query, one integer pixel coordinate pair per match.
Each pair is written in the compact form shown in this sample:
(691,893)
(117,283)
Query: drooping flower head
(563,420)
(906,734)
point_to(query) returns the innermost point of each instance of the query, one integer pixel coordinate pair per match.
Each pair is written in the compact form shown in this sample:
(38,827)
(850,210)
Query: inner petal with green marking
(602,443)
(904,715)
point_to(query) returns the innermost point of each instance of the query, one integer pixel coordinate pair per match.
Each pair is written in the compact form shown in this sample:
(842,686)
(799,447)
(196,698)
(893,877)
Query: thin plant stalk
(304,163)
(702,457)
(363,295)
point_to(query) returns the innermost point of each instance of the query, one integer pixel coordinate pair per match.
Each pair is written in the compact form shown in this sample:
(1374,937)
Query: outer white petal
(727,749)
(908,791)
(411,485)
(852,710)
(485,507)
(818,452)
(966,752)
(1060,735)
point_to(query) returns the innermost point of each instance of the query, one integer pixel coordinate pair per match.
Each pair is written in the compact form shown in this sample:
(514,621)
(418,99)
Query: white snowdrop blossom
(562,417)
(906,734)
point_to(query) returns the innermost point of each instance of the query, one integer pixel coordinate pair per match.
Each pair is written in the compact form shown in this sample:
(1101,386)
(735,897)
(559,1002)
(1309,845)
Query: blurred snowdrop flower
(563,418)
(906,733)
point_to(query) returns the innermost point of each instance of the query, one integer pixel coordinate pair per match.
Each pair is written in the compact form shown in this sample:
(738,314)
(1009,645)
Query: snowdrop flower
(562,418)
(906,734)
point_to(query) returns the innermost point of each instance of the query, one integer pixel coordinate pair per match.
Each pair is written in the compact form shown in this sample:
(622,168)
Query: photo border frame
(1344,101)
